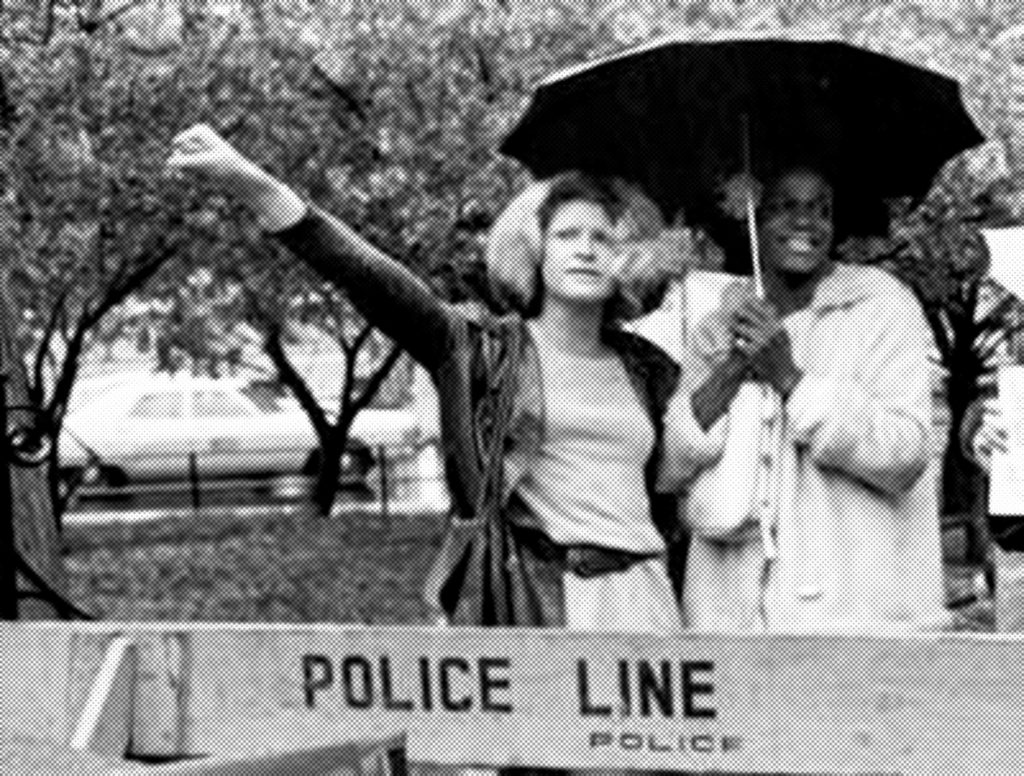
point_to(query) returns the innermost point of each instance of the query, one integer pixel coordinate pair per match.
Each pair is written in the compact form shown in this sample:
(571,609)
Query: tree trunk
(961,481)
(325,487)
(31,512)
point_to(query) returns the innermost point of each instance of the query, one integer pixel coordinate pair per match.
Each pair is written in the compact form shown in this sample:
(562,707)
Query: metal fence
(400,479)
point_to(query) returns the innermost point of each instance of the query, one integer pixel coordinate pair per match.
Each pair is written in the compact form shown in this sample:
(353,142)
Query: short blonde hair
(515,248)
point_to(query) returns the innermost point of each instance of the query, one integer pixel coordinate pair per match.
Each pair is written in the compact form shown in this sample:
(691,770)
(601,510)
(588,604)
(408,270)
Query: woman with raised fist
(568,403)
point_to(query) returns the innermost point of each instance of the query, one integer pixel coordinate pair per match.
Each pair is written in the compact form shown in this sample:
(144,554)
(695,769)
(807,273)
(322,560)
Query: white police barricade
(921,704)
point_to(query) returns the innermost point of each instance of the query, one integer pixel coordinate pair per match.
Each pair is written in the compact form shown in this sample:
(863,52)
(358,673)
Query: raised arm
(389,295)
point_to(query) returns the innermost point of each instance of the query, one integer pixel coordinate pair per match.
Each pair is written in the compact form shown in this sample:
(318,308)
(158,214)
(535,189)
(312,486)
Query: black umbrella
(678,117)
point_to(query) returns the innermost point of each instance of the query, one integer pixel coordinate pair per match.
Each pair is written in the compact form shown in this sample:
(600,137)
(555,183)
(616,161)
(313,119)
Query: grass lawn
(360,567)
(288,568)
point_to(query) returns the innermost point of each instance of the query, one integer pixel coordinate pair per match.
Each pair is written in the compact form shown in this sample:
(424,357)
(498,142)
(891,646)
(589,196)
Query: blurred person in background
(984,434)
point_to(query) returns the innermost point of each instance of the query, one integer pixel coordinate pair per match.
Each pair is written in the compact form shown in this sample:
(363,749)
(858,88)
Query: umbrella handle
(765,521)
(767,539)
(755,249)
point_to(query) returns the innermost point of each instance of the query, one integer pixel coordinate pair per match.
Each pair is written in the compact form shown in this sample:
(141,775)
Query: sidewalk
(27,756)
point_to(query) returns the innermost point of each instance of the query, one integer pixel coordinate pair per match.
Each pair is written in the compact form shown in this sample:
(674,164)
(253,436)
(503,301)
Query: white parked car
(147,428)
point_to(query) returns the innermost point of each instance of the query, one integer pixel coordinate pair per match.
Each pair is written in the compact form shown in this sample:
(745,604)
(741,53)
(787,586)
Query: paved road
(284,495)
(27,756)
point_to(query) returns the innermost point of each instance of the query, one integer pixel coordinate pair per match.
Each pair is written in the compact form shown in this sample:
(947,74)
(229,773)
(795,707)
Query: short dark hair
(576,186)
(855,213)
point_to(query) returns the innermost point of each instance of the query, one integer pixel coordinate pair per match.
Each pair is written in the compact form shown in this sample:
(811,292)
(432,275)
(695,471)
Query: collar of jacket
(845,286)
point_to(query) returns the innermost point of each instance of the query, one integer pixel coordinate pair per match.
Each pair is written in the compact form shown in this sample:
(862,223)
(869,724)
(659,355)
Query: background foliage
(389,114)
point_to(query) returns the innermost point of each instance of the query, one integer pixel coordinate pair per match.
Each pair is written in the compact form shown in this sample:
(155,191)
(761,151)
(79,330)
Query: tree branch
(485,71)
(377,380)
(35,387)
(345,412)
(361,339)
(418,108)
(91,18)
(273,347)
(56,408)
(343,97)
(144,265)
(63,323)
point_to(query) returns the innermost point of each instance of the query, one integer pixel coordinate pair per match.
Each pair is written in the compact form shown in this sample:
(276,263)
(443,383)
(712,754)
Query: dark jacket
(465,348)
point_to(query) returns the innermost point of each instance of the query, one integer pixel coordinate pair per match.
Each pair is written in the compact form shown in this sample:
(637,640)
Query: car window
(218,404)
(395,392)
(158,404)
(263,395)
(93,391)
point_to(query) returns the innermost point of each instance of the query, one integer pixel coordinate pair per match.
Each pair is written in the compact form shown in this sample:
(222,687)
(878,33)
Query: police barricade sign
(743,704)
(924,704)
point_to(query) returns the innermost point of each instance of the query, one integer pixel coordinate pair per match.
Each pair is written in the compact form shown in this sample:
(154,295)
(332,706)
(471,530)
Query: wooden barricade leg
(104,723)
(158,724)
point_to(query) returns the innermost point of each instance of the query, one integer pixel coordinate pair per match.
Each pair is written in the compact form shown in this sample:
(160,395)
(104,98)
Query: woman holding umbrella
(832,523)
(806,420)
(568,405)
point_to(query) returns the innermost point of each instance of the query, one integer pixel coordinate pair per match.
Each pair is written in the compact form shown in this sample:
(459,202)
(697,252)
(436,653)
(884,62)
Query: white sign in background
(1006,488)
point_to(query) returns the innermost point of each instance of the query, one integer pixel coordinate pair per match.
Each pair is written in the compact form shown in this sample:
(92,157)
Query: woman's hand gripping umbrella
(682,118)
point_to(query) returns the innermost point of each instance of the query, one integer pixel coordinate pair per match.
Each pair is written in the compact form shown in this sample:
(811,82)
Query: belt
(583,560)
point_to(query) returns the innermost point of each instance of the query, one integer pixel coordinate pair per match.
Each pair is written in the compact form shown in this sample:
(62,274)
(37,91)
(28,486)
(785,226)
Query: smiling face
(579,257)
(796,225)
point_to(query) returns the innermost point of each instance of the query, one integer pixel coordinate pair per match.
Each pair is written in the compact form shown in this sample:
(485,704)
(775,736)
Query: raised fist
(202,152)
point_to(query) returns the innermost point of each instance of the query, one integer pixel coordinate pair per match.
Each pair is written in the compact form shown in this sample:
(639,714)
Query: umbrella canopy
(677,117)
(680,118)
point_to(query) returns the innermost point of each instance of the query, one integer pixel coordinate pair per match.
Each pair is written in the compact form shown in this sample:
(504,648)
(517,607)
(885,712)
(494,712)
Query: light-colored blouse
(587,485)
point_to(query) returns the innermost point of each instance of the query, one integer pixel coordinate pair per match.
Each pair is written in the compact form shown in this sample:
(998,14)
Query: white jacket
(849,478)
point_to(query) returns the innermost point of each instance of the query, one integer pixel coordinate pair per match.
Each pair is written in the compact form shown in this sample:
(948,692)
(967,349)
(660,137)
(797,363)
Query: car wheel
(362,459)
(70,479)
(111,478)
(356,463)
(105,478)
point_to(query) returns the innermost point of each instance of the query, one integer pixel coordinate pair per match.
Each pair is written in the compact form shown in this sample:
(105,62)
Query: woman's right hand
(713,337)
(201,152)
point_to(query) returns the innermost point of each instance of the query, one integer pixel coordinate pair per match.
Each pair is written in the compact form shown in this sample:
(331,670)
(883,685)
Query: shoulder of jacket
(879,279)
(854,283)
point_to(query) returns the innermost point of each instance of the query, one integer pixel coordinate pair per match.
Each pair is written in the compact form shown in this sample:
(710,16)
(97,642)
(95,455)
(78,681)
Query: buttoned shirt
(843,473)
